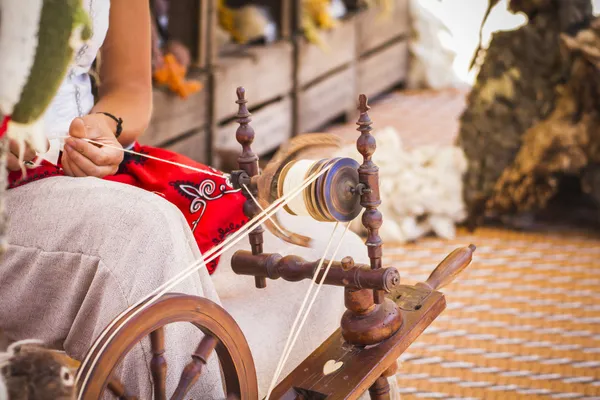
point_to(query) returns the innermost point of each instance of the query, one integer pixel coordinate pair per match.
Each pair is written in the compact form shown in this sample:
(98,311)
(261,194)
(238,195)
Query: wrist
(115,123)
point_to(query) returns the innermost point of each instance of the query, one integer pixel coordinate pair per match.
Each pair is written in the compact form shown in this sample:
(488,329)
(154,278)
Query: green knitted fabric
(52,58)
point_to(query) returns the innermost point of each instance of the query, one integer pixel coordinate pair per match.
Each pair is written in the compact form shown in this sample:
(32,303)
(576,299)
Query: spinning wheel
(382,317)
(222,336)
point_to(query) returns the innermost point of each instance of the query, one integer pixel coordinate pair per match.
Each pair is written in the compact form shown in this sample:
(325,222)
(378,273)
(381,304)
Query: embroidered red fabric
(212,208)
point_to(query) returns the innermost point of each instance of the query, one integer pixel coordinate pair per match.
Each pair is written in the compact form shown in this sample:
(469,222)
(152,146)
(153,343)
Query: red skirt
(212,208)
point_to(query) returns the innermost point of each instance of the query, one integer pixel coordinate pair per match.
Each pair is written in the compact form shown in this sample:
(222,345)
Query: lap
(81,250)
(83,246)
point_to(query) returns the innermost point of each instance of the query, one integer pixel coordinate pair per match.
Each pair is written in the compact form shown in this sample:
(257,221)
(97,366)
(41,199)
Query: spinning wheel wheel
(222,336)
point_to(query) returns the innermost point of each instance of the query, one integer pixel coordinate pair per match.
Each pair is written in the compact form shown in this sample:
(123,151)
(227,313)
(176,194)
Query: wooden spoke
(192,371)
(158,365)
(221,334)
(117,388)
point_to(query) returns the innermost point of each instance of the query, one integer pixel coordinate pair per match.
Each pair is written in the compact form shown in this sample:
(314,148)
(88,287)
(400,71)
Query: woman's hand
(12,161)
(81,158)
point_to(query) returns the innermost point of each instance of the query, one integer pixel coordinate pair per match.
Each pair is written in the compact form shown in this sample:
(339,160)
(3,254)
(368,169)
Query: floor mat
(522,322)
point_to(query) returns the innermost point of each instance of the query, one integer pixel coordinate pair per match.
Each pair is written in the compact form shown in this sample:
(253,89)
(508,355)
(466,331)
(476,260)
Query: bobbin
(332,197)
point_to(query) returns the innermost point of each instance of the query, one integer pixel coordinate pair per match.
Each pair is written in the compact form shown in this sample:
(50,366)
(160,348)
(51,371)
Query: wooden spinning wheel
(382,317)
(222,336)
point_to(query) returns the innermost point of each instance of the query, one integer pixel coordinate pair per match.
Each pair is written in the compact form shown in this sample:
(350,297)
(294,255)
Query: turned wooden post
(158,364)
(248,162)
(368,175)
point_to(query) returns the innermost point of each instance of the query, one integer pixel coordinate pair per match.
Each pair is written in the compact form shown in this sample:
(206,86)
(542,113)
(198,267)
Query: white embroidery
(201,195)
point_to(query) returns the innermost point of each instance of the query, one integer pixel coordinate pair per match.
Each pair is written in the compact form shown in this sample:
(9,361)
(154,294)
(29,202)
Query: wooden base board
(265,72)
(383,70)
(173,116)
(326,100)
(360,366)
(272,125)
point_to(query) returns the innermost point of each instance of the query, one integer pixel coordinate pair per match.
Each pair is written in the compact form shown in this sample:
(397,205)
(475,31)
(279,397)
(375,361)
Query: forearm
(125,71)
(132,103)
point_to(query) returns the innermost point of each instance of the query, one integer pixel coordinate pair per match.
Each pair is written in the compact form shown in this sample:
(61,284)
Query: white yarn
(296,174)
(289,342)
(297,331)
(421,188)
(164,288)
(18,44)
(128,151)
(263,210)
(31,134)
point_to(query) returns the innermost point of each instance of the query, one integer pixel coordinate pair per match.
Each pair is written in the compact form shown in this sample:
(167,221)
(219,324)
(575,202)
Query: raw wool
(421,189)
(36,68)
(18,34)
(432,56)
(245,24)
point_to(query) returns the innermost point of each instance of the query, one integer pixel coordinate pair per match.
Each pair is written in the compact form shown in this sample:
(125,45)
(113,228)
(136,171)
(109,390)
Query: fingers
(77,128)
(12,162)
(82,158)
(79,163)
(15,149)
(99,156)
(70,169)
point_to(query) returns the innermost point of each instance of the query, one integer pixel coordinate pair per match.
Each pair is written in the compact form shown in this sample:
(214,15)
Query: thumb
(77,128)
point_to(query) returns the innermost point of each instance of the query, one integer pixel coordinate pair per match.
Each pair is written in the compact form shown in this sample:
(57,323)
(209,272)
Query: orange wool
(172,74)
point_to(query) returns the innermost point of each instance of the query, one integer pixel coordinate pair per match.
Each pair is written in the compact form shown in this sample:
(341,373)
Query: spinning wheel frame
(382,318)
(218,326)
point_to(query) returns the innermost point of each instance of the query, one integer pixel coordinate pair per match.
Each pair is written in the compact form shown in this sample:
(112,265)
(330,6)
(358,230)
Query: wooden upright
(368,175)
(248,162)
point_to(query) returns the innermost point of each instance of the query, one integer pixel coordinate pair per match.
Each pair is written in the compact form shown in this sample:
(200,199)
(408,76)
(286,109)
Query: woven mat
(523,322)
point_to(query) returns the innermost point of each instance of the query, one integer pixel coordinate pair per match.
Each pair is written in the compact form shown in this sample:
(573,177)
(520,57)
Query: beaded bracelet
(119,122)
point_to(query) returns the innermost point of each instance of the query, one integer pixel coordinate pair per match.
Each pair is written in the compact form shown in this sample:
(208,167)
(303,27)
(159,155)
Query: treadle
(369,362)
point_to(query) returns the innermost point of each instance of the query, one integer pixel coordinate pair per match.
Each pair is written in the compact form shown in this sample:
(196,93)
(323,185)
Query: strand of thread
(236,237)
(263,210)
(296,332)
(232,240)
(135,153)
(296,174)
(282,360)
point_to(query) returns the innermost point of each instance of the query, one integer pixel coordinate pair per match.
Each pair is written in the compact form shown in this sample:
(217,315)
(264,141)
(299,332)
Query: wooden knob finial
(363,105)
(244,133)
(366,143)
